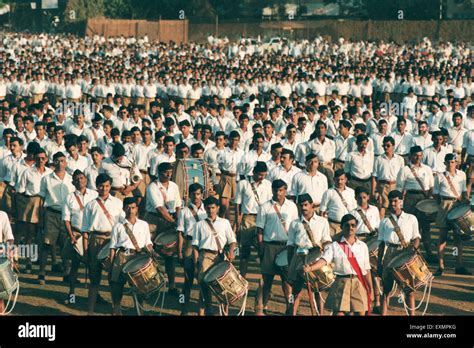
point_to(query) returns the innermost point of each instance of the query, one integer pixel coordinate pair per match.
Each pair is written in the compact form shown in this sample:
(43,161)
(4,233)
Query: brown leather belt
(226,173)
(214,252)
(143,171)
(391,245)
(346,275)
(101,233)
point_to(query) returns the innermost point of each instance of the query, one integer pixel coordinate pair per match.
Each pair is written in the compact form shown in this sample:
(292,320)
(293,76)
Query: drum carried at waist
(190,171)
(428,208)
(324,277)
(8,279)
(373,246)
(143,275)
(462,220)
(225,282)
(166,244)
(410,270)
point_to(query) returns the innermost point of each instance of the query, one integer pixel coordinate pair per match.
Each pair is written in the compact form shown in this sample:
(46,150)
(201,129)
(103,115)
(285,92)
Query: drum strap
(310,234)
(283,222)
(398,231)
(254,189)
(343,149)
(395,151)
(106,212)
(355,265)
(163,193)
(220,123)
(194,212)
(131,236)
(451,186)
(214,232)
(365,220)
(81,206)
(418,179)
(342,198)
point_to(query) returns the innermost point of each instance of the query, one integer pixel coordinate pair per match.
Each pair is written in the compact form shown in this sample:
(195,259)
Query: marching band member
(72,216)
(210,237)
(306,233)
(416,181)
(398,231)
(273,220)
(100,215)
(251,194)
(337,202)
(129,237)
(163,205)
(450,190)
(350,294)
(187,219)
(54,188)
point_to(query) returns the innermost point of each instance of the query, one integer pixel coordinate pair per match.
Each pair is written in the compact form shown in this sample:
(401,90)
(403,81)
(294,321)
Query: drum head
(190,171)
(166,238)
(136,264)
(427,206)
(282,258)
(313,256)
(401,259)
(216,271)
(104,252)
(458,212)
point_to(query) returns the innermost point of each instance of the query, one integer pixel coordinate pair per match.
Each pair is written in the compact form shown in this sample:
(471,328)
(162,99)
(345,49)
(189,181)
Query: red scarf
(355,265)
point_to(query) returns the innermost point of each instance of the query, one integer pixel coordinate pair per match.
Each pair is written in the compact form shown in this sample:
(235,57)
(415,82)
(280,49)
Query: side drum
(144,275)
(324,277)
(225,282)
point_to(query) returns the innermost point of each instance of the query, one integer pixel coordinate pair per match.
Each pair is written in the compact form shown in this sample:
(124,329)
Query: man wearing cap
(54,188)
(398,232)
(100,215)
(337,202)
(310,181)
(130,237)
(252,192)
(118,168)
(450,191)
(213,241)
(305,234)
(416,182)
(273,220)
(351,292)
(163,205)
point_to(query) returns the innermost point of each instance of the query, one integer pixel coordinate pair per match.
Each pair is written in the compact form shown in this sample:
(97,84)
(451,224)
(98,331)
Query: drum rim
(213,267)
(136,259)
(106,246)
(399,256)
(175,238)
(432,202)
(310,253)
(465,207)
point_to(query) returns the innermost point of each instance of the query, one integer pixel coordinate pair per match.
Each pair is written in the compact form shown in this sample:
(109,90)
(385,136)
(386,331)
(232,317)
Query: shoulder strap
(214,232)
(398,231)
(194,212)
(403,136)
(451,186)
(342,198)
(106,212)
(310,234)
(131,236)
(81,205)
(418,179)
(365,219)
(254,189)
(283,222)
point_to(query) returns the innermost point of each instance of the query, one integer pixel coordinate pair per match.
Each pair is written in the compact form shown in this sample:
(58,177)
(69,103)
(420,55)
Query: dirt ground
(450,294)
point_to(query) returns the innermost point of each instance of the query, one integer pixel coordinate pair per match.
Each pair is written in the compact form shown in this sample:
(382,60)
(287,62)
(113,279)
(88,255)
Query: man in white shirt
(403,139)
(391,245)
(286,171)
(211,237)
(325,149)
(273,221)
(359,164)
(251,194)
(305,234)
(351,292)
(433,156)
(124,247)
(423,139)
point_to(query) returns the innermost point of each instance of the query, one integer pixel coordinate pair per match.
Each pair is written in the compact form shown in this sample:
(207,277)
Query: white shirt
(29,182)
(95,219)
(297,235)
(326,151)
(468,142)
(7,167)
(435,159)
(71,209)
(279,172)
(407,181)
(54,190)
(403,143)
(155,197)
(359,165)
(333,253)
(342,146)
(269,222)
(229,160)
(120,176)
(72,165)
(120,238)
(186,220)
(422,141)
(53,148)
(6,228)
(333,205)
(387,169)
(443,188)
(408,225)
(155,161)
(203,236)
(373,216)
(456,137)
(315,185)
(246,197)
(250,159)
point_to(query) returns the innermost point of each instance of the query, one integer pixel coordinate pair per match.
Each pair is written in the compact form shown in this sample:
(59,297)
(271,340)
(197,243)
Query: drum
(281,262)
(373,245)
(104,255)
(190,171)
(166,244)
(428,208)
(8,279)
(324,277)
(462,219)
(225,282)
(410,270)
(143,275)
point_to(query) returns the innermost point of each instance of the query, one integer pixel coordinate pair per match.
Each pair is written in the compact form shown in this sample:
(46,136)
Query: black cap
(395,194)
(415,149)
(260,167)
(118,150)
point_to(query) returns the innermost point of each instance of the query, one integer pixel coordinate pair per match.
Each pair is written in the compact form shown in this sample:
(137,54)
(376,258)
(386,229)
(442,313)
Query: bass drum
(190,171)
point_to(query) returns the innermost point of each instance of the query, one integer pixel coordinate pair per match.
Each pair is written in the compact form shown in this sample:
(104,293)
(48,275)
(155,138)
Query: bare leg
(224,210)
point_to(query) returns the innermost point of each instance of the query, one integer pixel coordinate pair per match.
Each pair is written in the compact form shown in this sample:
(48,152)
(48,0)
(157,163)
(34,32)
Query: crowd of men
(313,144)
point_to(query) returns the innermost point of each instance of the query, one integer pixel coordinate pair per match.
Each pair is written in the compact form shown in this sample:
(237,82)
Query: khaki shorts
(96,243)
(387,275)
(228,187)
(347,295)
(248,230)
(353,184)
(270,252)
(29,209)
(7,202)
(443,210)
(53,227)
(384,190)
(158,225)
(206,260)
